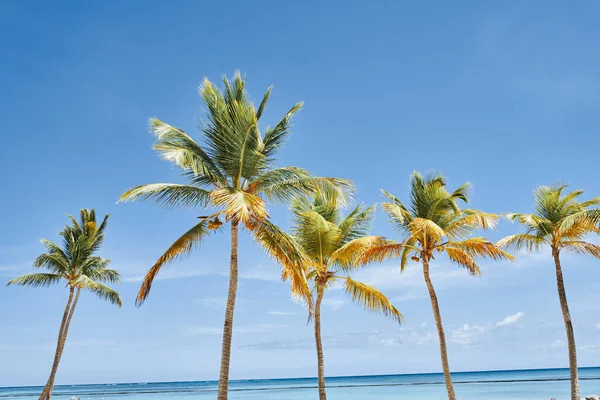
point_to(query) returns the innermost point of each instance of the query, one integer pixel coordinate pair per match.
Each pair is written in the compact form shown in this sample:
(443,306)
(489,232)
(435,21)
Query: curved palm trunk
(228,324)
(320,366)
(440,329)
(564,306)
(60,345)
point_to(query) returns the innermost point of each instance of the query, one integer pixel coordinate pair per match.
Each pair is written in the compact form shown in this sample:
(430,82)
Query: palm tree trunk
(440,329)
(228,324)
(564,306)
(60,345)
(320,367)
(68,324)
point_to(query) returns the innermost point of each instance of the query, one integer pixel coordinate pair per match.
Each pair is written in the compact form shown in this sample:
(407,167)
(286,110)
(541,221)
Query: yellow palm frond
(288,253)
(462,258)
(578,225)
(239,206)
(426,228)
(371,299)
(581,247)
(522,241)
(349,255)
(180,247)
(381,252)
(471,219)
(481,247)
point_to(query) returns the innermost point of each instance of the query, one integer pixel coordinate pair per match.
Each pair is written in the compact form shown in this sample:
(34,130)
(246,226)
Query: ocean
(536,384)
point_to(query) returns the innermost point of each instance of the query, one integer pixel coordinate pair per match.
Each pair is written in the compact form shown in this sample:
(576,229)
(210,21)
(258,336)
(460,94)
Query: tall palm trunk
(320,366)
(440,329)
(564,306)
(60,345)
(228,324)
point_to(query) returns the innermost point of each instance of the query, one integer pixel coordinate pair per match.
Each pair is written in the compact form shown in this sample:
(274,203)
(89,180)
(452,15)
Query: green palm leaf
(36,280)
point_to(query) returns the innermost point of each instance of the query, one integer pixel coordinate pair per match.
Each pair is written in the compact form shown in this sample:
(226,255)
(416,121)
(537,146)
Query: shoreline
(339,377)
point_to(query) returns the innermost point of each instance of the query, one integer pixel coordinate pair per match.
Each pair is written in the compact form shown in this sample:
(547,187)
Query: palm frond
(288,253)
(427,229)
(238,205)
(179,248)
(169,195)
(54,262)
(263,103)
(357,223)
(468,221)
(409,250)
(178,147)
(481,247)
(371,299)
(36,280)
(231,130)
(463,258)
(103,274)
(381,252)
(350,255)
(579,224)
(581,247)
(397,213)
(100,290)
(318,237)
(522,241)
(275,137)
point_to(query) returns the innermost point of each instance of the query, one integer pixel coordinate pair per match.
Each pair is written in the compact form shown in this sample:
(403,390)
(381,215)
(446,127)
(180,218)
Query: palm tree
(233,173)
(79,268)
(561,222)
(434,222)
(327,248)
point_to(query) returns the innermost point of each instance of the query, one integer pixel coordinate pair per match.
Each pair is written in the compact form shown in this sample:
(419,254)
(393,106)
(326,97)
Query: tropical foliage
(561,223)
(77,266)
(231,176)
(327,247)
(232,172)
(434,223)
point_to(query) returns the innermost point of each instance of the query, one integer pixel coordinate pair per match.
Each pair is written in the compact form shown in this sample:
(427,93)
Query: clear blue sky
(502,94)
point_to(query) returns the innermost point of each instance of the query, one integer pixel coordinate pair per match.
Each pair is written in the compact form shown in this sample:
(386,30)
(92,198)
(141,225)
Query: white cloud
(468,335)
(280,313)
(511,319)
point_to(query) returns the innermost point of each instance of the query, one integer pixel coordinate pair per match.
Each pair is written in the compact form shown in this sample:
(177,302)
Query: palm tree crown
(328,247)
(76,263)
(560,221)
(232,171)
(434,222)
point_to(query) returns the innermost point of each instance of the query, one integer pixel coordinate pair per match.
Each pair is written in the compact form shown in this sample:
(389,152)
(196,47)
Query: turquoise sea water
(511,385)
